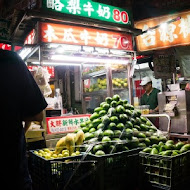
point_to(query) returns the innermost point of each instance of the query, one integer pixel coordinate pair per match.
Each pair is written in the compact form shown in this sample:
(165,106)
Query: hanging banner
(50,69)
(65,124)
(90,10)
(76,35)
(175,33)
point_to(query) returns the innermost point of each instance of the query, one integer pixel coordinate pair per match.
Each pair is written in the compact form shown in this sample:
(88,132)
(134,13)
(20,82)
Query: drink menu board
(164,64)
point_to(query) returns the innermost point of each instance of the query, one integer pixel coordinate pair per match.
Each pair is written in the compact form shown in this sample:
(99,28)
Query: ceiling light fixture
(88,59)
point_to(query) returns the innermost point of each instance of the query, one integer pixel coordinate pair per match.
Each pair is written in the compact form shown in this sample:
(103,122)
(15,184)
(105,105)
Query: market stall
(101,54)
(167,40)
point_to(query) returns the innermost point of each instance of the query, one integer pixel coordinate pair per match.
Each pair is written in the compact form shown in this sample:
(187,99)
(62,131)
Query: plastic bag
(41,76)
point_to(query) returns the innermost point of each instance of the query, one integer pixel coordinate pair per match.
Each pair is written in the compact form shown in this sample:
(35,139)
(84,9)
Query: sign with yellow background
(176,33)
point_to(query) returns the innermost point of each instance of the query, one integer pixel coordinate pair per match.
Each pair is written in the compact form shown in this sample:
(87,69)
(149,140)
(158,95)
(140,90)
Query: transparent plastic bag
(41,76)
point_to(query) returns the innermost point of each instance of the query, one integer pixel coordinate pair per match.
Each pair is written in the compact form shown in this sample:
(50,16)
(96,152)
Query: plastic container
(164,172)
(117,171)
(69,173)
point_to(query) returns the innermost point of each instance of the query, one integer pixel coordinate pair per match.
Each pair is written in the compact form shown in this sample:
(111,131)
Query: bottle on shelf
(58,100)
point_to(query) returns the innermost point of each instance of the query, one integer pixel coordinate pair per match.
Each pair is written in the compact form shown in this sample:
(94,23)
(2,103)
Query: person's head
(146,83)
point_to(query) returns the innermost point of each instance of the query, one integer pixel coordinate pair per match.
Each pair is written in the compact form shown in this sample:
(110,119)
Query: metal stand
(161,115)
(168,132)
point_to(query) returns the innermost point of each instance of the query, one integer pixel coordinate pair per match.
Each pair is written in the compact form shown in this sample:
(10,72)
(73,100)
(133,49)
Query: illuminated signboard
(90,9)
(30,39)
(8,47)
(167,35)
(65,124)
(75,35)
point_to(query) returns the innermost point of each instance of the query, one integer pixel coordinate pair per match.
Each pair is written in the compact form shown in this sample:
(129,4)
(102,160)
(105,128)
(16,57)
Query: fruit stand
(105,151)
(115,147)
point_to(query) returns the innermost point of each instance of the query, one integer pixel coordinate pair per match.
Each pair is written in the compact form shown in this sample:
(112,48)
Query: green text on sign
(90,9)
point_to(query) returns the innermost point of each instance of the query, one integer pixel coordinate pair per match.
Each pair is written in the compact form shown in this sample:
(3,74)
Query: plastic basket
(117,170)
(164,172)
(70,173)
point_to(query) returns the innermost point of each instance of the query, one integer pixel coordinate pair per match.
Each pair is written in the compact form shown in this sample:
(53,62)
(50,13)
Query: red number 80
(120,16)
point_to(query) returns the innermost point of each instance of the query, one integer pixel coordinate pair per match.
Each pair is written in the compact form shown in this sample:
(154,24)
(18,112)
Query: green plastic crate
(164,172)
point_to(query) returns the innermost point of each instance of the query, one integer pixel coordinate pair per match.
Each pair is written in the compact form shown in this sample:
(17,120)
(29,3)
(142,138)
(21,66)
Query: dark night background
(141,9)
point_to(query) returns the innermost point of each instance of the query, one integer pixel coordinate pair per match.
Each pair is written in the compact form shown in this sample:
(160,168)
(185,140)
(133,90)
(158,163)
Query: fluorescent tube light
(56,63)
(88,59)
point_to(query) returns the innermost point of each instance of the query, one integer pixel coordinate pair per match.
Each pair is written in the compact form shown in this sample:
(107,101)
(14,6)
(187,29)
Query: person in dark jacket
(21,100)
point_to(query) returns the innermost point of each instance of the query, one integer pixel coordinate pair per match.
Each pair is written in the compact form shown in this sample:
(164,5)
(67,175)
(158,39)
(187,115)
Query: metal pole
(40,55)
(130,86)
(109,81)
(174,78)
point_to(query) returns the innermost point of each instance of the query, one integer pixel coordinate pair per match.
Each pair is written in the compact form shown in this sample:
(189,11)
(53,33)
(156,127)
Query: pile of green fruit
(116,120)
(169,148)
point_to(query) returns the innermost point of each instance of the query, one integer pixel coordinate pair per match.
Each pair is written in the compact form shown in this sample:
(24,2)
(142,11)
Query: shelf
(119,89)
(102,92)
(95,93)
(94,74)
(101,73)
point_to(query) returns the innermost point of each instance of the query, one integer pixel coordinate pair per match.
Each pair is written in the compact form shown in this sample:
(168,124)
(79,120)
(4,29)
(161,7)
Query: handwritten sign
(65,124)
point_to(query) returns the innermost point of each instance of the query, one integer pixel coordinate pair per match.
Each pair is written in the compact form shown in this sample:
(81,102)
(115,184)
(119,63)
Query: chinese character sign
(65,124)
(89,9)
(76,35)
(166,35)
